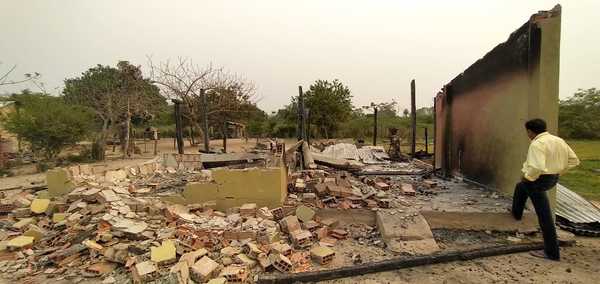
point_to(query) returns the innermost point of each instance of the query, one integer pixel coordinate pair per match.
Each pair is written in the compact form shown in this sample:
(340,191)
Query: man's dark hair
(536,125)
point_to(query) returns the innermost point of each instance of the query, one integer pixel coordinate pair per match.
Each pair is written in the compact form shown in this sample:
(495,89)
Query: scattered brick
(281,263)
(204,269)
(322,255)
(407,189)
(234,273)
(289,224)
(338,234)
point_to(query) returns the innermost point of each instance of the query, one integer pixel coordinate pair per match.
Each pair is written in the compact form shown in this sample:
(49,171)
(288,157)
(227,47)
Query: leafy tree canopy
(47,123)
(579,115)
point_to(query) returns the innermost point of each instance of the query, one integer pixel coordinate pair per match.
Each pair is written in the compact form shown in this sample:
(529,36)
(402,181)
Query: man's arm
(535,163)
(573,161)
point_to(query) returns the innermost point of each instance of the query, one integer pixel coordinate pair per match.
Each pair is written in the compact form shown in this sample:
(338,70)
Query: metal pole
(178,125)
(375,127)
(205,110)
(413,109)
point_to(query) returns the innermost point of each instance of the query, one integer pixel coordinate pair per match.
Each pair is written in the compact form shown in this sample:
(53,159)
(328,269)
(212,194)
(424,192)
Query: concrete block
(338,234)
(281,248)
(234,273)
(301,238)
(264,213)
(322,255)
(23,223)
(39,206)
(430,183)
(59,182)
(191,257)
(36,232)
(245,260)
(407,226)
(204,269)
(290,224)
(305,213)
(265,262)
(381,186)
(277,213)
(58,217)
(164,254)
(407,189)
(281,263)
(252,250)
(330,222)
(145,271)
(230,251)
(20,242)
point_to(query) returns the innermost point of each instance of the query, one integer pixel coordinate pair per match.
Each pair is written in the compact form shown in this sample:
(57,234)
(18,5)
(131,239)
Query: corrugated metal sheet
(575,208)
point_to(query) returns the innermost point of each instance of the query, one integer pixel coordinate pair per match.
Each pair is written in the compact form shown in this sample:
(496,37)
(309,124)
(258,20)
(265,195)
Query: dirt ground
(579,264)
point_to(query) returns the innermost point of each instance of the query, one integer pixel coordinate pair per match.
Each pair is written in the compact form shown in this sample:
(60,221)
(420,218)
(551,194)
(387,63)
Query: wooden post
(205,110)
(308,126)
(426,146)
(300,131)
(375,126)
(178,126)
(225,137)
(413,109)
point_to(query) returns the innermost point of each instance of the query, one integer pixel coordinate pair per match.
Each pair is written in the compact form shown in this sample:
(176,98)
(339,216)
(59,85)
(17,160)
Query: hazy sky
(375,47)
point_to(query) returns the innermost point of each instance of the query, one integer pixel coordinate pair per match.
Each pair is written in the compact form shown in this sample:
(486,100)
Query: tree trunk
(99,146)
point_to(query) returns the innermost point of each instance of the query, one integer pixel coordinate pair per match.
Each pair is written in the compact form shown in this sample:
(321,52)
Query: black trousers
(536,190)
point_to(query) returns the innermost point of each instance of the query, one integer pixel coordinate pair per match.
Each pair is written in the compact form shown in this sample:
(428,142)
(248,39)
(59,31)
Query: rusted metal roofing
(575,208)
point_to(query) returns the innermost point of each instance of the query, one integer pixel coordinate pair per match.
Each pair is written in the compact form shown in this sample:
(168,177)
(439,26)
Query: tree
(27,77)
(406,112)
(47,123)
(115,95)
(228,96)
(579,115)
(330,104)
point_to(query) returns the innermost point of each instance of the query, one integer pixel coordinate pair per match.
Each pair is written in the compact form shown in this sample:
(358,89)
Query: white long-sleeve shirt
(548,154)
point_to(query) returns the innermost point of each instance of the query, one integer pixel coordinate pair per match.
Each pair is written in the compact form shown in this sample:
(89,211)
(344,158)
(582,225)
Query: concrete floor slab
(480,221)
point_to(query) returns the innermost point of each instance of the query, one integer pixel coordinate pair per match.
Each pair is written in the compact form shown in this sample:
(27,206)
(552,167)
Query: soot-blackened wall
(480,113)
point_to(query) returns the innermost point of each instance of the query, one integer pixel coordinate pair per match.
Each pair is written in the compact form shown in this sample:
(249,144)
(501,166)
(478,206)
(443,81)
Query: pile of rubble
(118,226)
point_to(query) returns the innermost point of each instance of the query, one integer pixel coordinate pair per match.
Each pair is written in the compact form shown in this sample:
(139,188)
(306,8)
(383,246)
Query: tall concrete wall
(480,114)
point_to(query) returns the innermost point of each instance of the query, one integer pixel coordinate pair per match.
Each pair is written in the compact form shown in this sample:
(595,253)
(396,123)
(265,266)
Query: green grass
(583,179)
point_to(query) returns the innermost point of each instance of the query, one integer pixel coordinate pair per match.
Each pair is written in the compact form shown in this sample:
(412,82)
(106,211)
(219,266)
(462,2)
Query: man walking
(548,157)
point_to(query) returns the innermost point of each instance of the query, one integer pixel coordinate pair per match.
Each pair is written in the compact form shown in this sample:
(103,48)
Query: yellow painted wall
(233,187)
